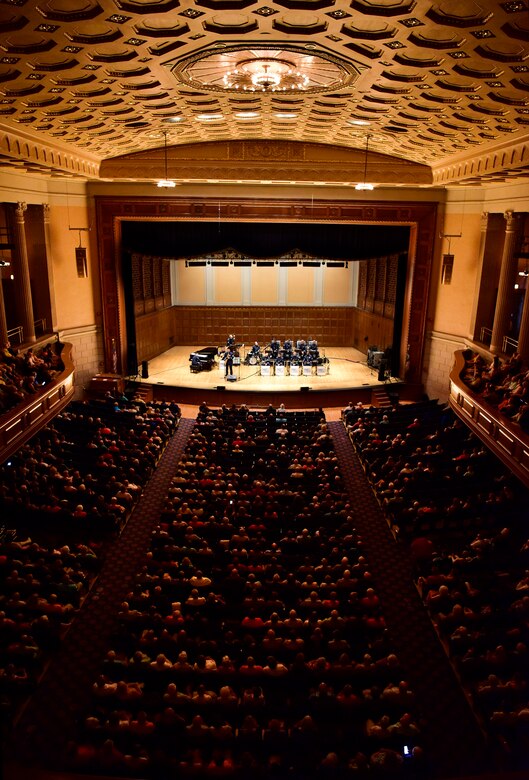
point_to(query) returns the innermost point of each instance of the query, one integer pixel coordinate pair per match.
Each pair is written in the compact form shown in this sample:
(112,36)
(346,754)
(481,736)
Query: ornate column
(49,265)
(523,336)
(3,321)
(481,252)
(505,301)
(22,278)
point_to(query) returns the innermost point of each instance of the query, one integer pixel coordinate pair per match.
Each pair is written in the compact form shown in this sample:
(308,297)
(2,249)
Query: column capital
(511,219)
(46,212)
(21,208)
(484,220)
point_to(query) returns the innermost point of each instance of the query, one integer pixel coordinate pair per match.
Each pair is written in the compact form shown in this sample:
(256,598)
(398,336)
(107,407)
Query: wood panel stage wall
(209,325)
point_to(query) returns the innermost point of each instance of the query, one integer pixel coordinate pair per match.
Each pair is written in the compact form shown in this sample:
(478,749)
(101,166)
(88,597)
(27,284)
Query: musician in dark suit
(228,362)
(230,341)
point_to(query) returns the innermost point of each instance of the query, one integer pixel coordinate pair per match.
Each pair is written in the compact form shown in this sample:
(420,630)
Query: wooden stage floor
(348,370)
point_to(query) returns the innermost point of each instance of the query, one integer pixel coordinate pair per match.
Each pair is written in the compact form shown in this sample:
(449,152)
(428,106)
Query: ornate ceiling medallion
(265,68)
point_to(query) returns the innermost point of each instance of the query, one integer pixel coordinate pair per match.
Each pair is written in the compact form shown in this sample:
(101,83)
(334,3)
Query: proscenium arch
(419,217)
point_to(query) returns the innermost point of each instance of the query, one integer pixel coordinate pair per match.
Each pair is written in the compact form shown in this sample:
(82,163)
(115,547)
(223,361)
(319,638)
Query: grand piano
(203,359)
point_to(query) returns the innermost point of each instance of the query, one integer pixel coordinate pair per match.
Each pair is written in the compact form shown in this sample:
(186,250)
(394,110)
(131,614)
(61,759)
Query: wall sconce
(446,269)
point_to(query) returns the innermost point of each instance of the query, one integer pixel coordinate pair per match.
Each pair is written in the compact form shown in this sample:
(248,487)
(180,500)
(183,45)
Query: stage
(348,378)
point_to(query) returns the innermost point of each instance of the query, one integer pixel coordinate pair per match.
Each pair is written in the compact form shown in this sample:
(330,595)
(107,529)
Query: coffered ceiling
(87,86)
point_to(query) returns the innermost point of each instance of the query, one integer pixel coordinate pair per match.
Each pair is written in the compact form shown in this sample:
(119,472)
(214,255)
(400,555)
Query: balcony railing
(485,335)
(16,333)
(40,325)
(499,434)
(509,345)
(22,422)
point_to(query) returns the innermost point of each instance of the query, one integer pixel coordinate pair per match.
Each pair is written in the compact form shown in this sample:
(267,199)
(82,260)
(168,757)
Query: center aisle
(50,718)
(456,743)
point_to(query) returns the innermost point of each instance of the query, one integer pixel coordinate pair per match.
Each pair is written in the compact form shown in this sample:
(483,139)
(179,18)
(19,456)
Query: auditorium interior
(264,389)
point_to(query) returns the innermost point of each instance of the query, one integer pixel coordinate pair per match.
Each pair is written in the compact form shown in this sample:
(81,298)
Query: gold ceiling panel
(431,83)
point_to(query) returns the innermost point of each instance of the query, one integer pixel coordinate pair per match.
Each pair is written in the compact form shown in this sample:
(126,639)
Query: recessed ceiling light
(209,117)
(247,114)
(360,122)
(285,115)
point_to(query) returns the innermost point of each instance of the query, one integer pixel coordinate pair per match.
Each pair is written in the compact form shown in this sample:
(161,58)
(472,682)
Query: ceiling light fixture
(166,183)
(364,184)
(209,117)
(265,74)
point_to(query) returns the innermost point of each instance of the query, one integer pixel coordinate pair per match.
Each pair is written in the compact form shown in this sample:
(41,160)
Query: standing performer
(230,341)
(228,357)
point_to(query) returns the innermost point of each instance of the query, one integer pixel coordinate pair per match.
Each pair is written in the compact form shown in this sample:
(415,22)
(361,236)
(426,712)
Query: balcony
(499,434)
(19,424)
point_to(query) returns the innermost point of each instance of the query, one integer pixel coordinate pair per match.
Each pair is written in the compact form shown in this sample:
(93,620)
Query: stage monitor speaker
(304,389)
(144,369)
(376,359)
(231,378)
(221,387)
(382,370)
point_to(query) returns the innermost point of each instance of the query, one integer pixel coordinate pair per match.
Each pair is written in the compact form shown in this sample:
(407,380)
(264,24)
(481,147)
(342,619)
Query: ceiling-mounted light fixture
(167,182)
(266,74)
(364,184)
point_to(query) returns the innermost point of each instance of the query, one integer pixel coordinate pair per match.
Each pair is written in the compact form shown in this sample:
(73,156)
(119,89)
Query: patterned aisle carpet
(50,718)
(453,738)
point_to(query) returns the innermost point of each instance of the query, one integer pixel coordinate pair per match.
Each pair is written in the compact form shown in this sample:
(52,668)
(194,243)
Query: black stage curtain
(264,240)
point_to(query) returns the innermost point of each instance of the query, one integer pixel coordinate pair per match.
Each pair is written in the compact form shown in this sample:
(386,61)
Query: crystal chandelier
(265,75)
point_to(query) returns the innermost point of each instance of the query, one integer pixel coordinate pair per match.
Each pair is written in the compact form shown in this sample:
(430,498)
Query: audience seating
(253,637)
(465,518)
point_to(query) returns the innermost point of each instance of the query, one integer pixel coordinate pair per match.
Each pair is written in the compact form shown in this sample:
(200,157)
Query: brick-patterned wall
(87,354)
(438,362)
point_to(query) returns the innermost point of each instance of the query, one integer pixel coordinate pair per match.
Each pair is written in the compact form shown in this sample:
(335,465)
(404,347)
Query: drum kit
(303,359)
(300,358)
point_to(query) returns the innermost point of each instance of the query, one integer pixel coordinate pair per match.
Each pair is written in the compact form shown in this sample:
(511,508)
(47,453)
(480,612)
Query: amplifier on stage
(374,358)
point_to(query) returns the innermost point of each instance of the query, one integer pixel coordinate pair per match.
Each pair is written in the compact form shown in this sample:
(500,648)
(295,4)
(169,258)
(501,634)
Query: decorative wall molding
(45,157)
(497,164)
(260,159)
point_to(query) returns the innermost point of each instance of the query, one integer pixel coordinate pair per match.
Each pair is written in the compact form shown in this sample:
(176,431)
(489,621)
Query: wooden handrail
(498,433)
(22,422)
